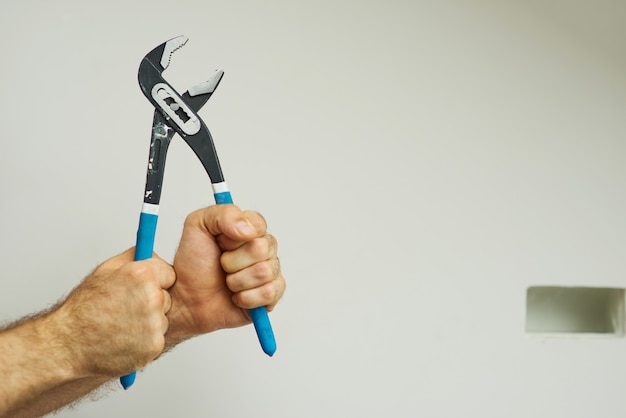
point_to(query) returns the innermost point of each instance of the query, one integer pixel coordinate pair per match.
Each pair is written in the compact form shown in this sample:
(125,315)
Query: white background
(421,163)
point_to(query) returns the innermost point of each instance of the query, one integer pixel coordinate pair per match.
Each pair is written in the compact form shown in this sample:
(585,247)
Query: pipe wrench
(176,114)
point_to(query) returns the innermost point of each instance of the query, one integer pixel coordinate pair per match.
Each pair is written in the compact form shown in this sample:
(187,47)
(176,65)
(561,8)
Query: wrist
(177,330)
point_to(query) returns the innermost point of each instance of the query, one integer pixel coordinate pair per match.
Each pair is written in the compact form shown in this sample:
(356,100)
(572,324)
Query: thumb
(232,222)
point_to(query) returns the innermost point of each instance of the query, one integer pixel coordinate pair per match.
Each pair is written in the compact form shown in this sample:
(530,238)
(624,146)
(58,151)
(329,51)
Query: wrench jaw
(160,56)
(209,86)
(155,63)
(169,47)
(198,95)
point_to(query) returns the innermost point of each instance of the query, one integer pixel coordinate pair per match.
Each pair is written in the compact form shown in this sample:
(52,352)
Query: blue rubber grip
(145,236)
(263,327)
(223,198)
(128,380)
(259,315)
(143,250)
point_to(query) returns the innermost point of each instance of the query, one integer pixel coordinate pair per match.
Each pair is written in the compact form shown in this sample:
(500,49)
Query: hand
(115,319)
(226,263)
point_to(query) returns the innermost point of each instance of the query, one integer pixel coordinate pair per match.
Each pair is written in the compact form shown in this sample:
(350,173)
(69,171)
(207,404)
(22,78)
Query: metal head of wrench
(175,114)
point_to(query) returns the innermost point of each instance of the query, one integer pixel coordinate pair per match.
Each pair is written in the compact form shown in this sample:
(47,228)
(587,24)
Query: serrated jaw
(172,46)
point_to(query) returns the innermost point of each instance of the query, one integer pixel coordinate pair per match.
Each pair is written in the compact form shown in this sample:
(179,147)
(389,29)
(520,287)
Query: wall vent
(575,310)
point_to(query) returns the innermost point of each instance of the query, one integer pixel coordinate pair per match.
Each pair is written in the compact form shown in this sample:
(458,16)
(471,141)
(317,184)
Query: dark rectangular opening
(575,310)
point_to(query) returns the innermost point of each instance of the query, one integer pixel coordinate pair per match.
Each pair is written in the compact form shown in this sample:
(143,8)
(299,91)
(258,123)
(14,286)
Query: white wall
(421,163)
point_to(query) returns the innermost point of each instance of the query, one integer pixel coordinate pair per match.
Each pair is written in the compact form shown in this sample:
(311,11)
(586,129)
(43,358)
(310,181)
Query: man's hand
(111,324)
(116,317)
(226,263)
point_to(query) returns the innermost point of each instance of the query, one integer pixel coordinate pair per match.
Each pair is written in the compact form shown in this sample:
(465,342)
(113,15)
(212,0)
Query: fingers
(152,278)
(167,301)
(254,274)
(249,253)
(266,295)
(125,302)
(165,274)
(158,307)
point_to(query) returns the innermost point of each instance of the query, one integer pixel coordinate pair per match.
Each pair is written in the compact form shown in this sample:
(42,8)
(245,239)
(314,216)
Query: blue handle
(263,327)
(143,250)
(145,236)
(223,198)
(259,315)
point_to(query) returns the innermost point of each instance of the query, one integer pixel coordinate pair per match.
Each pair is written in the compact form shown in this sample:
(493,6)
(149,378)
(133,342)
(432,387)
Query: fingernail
(244,227)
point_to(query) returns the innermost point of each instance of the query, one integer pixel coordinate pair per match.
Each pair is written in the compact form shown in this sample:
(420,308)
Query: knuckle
(156,297)
(280,291)
(192,218)
(275,262)
(268,292)
(157,344)
(244,299)
(138,271)
(228,263)
(234,282)
(155,325)
(266,271)
(259,249)
(263,270)
(273,241)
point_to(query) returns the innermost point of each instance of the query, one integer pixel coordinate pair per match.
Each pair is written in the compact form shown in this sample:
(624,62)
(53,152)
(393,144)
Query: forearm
(61,396)
(29,364)
(37,366)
